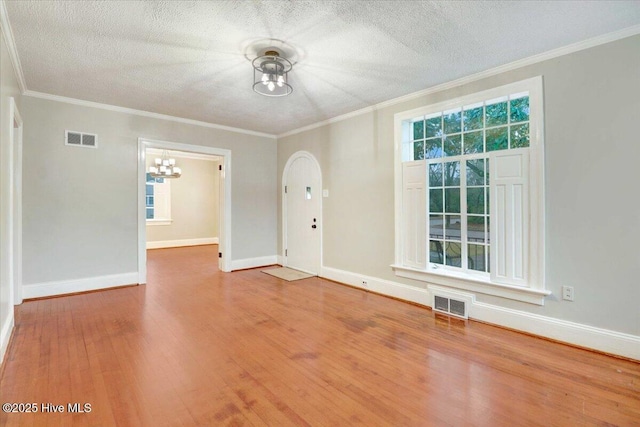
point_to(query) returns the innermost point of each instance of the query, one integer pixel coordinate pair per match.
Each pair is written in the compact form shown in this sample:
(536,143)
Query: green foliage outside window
(499,125)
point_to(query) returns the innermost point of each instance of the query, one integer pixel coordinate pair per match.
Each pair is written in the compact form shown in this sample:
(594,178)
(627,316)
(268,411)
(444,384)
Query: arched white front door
(302,213)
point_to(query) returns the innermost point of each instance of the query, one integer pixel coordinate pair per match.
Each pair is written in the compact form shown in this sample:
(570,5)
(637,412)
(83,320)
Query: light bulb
(172,162)
(271,86)
(163,168)
(265,79)
(153,169)
(177,170)
(158,161)
(280,81)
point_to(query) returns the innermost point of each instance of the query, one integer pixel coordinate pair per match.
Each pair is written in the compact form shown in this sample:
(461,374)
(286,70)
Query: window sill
(159,221)
(472,283)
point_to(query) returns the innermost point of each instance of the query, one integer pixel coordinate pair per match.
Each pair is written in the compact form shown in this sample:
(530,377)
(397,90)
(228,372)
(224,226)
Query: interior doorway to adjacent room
(171,213)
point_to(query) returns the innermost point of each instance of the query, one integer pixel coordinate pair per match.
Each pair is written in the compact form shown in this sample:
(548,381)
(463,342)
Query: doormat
(287,274)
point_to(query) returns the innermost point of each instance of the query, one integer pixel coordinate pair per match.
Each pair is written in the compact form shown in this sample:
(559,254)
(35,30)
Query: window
(157,201)
(470,205)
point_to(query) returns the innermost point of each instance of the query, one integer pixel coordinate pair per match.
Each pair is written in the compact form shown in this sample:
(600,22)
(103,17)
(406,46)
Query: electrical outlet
(365,284)
(567,293)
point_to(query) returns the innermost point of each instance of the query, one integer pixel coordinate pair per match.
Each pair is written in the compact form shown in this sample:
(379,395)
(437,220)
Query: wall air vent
(441,303)
(81,139)
(451,302)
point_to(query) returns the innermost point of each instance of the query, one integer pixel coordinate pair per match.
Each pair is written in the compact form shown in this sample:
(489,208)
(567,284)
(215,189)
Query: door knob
(314,226)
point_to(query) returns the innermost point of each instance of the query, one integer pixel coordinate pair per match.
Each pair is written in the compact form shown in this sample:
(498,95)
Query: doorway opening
(161,236)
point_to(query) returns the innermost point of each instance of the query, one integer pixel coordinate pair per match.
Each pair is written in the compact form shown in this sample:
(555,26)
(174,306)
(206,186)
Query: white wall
(592,103)
(8,88)
(194,205)
(80,204)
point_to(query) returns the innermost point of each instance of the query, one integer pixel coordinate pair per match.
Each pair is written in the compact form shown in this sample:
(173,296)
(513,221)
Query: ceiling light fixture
(165,167)
(270,74)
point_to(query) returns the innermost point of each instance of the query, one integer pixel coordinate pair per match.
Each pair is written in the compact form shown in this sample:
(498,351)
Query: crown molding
(340,118)
(143,113)
(561,51)
(11,46)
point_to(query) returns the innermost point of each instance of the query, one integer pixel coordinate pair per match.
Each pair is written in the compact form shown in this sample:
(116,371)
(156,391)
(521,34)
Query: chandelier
(165,167)
(270,73)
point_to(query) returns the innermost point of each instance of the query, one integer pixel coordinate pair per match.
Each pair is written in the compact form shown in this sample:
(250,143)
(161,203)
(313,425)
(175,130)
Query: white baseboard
(160,244)
(241,264)
(5,334)
(612,342)
(386,287)
(280,260)
(47,289)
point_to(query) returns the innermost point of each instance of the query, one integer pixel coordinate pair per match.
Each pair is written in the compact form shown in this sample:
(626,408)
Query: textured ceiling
(189,59)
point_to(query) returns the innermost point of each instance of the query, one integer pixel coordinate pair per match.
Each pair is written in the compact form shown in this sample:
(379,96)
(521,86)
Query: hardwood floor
(197,347)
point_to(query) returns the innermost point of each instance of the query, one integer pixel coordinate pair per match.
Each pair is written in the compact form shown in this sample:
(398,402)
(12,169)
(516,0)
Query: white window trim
(535,292)
(159,221)
(468,282)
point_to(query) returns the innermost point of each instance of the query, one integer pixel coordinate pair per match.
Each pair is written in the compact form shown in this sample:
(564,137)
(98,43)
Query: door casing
(15,203)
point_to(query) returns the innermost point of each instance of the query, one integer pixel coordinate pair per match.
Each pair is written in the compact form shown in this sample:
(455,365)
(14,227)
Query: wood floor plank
(198,347)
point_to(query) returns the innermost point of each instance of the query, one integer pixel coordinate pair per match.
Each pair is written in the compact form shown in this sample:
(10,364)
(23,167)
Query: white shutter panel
(414,214)
(509,189)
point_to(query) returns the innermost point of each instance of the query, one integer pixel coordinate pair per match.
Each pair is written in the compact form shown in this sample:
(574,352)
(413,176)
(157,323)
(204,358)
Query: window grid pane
(436,227)
(436,253)
(451,174)
(453,254)
(452,227)
(435,175)
(433,148)
(452,121)
(476,259)
(418,130)
(433,126)
(453,145)
(418,150)
(452,200)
